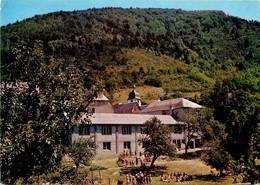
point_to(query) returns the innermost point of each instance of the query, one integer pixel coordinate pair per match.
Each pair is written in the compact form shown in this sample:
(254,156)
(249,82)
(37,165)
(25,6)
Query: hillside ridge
(180,51)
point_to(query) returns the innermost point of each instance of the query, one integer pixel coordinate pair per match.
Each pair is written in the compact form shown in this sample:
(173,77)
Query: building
(101,103)
(117,128)
(114,133)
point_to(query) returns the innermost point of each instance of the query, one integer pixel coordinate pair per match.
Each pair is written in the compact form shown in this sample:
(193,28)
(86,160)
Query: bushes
(200,77)
(153,81)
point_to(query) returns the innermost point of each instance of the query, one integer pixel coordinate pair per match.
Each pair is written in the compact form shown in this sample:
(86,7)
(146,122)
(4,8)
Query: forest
(180,51)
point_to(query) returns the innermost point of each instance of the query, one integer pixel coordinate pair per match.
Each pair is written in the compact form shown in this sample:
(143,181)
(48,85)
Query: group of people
(139,178)
(128,162)
(177,177)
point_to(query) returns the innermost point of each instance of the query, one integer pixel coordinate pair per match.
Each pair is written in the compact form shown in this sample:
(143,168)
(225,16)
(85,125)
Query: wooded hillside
(178,50)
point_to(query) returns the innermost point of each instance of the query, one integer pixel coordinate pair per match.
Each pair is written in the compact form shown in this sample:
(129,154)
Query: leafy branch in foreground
(40,100)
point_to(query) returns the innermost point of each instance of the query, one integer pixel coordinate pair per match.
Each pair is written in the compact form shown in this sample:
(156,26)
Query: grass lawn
(195,167)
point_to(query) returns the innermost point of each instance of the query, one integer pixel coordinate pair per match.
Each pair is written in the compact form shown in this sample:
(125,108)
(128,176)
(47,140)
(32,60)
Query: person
(162,178)
(131,178)
(127,179)
(147,179)
(177,179)
(169,176)
(166,178)
(144,179)
(136,161)
(150,178)
(126,163)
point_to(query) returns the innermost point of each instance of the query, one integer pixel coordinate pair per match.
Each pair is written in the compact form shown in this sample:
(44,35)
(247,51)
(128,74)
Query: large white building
(114,133)
(118,128)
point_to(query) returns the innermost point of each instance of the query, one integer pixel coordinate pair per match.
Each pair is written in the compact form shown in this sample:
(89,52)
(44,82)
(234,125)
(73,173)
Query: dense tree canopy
(238,110)
(173,47)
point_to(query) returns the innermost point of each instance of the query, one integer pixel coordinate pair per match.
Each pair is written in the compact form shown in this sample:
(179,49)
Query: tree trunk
(186,147)
(186,150)
(153,160)
(221,173)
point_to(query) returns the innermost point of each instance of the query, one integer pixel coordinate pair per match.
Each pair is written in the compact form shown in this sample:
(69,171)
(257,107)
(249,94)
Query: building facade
(115,133)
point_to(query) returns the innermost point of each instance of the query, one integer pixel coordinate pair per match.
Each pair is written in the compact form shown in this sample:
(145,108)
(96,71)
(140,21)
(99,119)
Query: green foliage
(40,100)
(157,141)
(212,44)
(65,174)
(82,151)
(196,122)
(238,110)
(153,81)
(216,155)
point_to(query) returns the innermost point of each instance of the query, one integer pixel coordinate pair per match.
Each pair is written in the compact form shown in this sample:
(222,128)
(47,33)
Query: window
(107,146)
(84,130)
(178,143)
(177,129)
(127,145)
(126,130)
(106,130)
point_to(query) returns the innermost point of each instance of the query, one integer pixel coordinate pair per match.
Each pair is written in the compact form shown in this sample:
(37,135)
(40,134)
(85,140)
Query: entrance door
(127,146)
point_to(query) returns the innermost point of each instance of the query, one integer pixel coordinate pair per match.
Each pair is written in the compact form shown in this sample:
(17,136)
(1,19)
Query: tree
(157,141)
(195,120)
(237,109)
(41,99)
(216,155)
(82,151)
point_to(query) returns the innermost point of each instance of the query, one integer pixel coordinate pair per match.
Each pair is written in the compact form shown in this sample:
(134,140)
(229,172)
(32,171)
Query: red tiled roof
(126,108)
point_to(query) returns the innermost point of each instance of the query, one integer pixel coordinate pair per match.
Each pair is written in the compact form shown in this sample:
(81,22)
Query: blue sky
(13,10)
